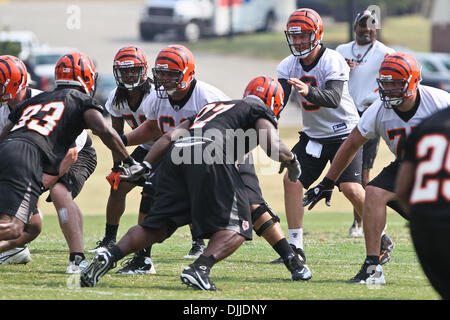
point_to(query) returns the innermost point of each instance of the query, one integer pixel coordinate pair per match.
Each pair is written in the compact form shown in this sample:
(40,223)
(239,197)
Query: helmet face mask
(393,91)
(169,80)
(297,45)
(130,68)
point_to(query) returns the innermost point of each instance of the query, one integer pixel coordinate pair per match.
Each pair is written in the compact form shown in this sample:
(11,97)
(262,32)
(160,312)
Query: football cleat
(369,274)
(76,266)
(386,247)
(197,277)
(299,251)
(196,250)
(100,265)
(103,245)
(137,264)
(356,230)
(16,256)
(298,269)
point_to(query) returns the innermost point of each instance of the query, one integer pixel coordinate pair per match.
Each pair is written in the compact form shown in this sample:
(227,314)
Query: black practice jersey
(232,124)
(428,147)
(52,120)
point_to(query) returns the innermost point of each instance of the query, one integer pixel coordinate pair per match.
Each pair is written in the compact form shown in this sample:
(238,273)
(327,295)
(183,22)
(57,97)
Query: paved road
(104,27)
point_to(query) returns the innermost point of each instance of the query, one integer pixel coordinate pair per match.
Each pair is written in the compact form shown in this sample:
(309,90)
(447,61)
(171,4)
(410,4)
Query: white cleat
(16,256)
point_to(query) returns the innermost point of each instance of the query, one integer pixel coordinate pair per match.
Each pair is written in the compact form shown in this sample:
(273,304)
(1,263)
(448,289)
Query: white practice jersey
(363,78)
(168,117)
(132,118)
(4,113)
(384,122)
(320,122)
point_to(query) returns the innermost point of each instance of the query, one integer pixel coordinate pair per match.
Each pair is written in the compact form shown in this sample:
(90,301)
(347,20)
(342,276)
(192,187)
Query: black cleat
(138,264)
(103,245)
(196,250)
(197,277)
(300,253)
(100,265)
(386,247)
(369,274)
(298,269)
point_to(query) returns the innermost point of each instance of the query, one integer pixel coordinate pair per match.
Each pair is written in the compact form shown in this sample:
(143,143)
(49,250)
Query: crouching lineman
(82,161)
(211,195)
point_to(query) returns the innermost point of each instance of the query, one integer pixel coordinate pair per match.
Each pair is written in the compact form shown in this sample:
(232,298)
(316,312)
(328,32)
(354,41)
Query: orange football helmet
(269,90)
(130,67)
(304,21)
(13,77)
(76,69)
(399,76)
(174,70)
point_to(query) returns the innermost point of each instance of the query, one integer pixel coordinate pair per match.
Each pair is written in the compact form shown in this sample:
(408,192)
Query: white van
(192,19)
(25,40)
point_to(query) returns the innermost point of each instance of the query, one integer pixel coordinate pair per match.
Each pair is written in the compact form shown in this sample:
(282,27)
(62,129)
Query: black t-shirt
(428,147)
(52,120)
(231,124)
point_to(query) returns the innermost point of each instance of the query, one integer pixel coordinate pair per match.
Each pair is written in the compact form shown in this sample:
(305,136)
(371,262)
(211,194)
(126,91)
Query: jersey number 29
(438,148)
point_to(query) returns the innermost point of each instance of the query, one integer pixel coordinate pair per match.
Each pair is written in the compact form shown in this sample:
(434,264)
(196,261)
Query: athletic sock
(296,237)
(372,260)
(203,260)
(111,231)
(283,248)
(72,256)
(116,253)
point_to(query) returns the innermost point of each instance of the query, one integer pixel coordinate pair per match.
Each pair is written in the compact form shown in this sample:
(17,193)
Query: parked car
(43,61)
(435,69)
(193,19)
(105,84)
(25,41)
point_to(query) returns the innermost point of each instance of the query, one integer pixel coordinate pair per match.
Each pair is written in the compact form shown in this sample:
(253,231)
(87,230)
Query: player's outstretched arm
(94,121)
(274,147)
(147,131)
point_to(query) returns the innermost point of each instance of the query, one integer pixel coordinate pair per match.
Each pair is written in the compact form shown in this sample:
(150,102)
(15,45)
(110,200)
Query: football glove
(137,173)
(323,190)
(113,178)
(293,167)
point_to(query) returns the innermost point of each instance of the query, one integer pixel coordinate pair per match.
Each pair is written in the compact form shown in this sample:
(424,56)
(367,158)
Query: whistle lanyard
(365,53)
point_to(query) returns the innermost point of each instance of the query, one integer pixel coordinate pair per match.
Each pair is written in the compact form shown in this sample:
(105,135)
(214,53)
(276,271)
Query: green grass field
(246,275)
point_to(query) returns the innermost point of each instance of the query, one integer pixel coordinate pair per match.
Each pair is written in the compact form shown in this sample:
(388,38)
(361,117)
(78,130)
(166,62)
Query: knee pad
(258,212)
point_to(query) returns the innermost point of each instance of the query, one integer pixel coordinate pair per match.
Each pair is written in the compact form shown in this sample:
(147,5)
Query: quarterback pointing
(320,76)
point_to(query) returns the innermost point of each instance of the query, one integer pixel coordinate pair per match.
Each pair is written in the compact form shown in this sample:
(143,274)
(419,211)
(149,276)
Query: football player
(402,105)
(364,57)
(44,128)
(177,96)
(125,104)
(63,188)
(320,77)
(210,194)
(422,186)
